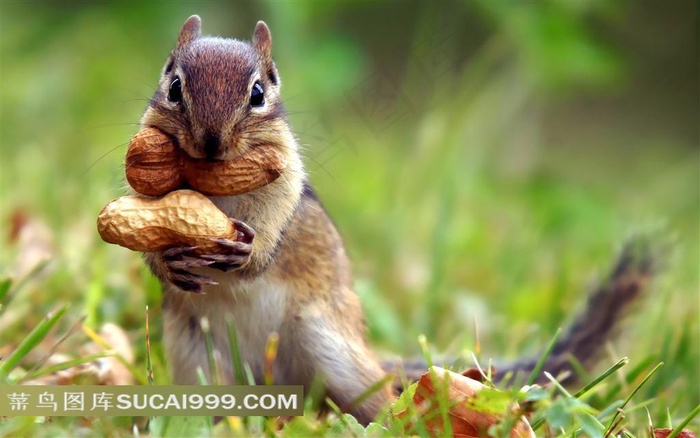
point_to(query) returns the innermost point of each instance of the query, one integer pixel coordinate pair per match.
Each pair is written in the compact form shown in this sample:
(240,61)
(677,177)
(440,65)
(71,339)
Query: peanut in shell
(256,168)
(155,165)
(180,218)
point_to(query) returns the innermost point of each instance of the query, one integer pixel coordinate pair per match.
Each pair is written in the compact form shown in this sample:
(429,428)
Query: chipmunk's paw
(180,262)
(235,253)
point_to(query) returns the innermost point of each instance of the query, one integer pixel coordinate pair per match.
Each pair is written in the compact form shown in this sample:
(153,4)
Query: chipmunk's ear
(262,40)
(190,31)
(262,43)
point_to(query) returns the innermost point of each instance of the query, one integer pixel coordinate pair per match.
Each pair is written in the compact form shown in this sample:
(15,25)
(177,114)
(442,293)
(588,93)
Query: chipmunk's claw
(245,232)
(180,262)
(236,255)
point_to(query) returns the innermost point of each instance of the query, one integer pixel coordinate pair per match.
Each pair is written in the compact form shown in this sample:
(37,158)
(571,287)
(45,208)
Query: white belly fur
(257,308)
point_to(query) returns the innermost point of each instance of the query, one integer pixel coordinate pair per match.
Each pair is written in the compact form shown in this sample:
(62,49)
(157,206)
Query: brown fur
(296,279)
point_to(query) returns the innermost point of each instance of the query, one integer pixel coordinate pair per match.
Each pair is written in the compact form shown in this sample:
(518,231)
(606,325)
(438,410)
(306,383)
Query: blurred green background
(482,159)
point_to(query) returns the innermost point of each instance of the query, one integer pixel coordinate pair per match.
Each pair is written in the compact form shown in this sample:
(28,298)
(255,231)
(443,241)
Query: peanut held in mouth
(180,218)
(155,165)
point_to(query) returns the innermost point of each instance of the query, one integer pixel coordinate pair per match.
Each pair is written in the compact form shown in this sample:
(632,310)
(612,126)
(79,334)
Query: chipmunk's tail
(640,259)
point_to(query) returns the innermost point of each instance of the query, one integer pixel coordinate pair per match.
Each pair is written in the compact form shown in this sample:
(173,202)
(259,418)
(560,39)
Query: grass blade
(631,376)
(372,389)
(96,290)
(629,397)
(543,359)
(423,343)
(678,429)
(209,343)
(96,338)
(73,328)
(557,385)
(5,285)
(588,422)
(31,341)
(11,288)
(441,386)
(622,362)
(614,406)
(65,365)
(271,346)
(238,371)
(149,364)
(485,375)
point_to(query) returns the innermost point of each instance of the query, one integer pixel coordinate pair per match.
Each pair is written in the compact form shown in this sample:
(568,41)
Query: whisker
(103,156)
(324,169)
(283,175)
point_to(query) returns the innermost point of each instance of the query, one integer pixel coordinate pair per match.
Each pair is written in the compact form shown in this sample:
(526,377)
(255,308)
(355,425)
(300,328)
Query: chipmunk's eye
(257,96)
(175,92)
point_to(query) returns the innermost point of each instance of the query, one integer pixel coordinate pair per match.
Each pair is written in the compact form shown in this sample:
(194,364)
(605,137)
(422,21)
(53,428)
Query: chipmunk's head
(219,97)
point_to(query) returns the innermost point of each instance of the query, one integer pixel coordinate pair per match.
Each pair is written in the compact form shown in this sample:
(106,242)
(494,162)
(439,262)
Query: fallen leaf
(112,371)
(103,371)
(663,433)
(468,418)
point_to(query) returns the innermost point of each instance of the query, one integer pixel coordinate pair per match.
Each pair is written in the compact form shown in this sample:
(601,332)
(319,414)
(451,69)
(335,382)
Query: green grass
(458,206)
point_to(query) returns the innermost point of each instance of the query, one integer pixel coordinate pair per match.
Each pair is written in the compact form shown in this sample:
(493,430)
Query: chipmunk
(289,274)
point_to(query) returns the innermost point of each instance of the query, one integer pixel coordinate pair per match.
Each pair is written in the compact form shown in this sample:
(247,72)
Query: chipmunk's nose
(212,144)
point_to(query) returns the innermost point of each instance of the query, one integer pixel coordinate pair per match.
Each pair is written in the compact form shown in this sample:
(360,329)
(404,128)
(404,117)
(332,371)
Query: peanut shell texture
(155,165)
(180,218)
